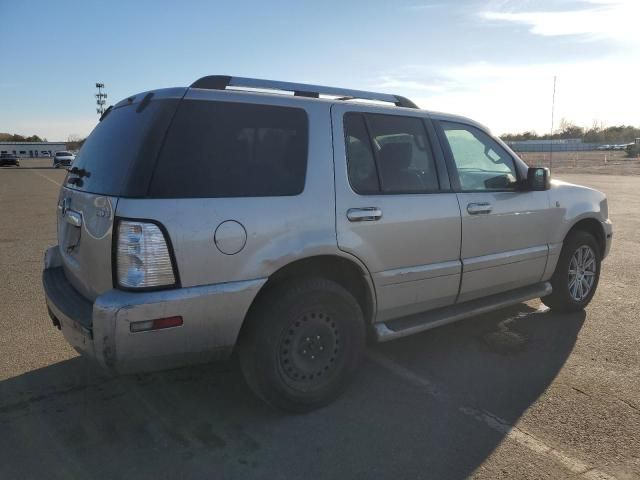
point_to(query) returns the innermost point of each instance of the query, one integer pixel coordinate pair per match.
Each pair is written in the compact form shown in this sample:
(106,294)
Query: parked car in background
(291,227)
(7,159)
(63,159)
(45,154)
(604,147)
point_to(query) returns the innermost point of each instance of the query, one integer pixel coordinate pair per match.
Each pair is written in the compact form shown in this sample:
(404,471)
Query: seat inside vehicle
(395,160)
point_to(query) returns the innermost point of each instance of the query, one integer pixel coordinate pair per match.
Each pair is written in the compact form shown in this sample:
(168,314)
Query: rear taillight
(142,256)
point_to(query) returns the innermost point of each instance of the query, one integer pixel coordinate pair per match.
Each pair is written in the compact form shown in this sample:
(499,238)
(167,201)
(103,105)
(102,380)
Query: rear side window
(118,156)
(361,164)
(389,154)
(224,149)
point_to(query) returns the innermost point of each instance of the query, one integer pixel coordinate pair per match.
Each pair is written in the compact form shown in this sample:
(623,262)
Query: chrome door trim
(504,258)
(419,272)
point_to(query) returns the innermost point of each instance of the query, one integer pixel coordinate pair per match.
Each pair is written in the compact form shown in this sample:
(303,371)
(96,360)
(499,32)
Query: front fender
(574,203)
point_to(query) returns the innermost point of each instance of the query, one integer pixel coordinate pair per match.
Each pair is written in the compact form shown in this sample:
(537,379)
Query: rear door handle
(478,208)
(366,214)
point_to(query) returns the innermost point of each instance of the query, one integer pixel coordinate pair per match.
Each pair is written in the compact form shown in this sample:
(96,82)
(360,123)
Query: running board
(419,322)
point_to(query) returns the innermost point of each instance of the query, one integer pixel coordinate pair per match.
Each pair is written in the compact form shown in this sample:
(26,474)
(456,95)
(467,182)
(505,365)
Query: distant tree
(528,135)
(8,137)
(597,133)
(74,142)
(568,129)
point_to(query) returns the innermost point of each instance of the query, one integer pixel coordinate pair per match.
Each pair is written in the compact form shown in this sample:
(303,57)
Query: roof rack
(221,82)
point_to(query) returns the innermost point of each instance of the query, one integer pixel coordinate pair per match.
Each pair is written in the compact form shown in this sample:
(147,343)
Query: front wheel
(577,273)
(302,344)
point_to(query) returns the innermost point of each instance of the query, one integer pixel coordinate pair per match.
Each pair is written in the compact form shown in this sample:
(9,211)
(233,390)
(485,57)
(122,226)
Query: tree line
(597,133)
(74,142)
(14,137)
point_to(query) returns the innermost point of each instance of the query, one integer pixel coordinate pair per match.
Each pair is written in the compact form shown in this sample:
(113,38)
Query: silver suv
(231,215)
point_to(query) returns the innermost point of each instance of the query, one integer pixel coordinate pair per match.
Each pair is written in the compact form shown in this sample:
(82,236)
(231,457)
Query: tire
(302,344)
(566,299)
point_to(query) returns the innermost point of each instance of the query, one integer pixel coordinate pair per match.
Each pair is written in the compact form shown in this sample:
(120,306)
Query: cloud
(389,82)
(600,19)
(517,97)
(510,98)
(425,6)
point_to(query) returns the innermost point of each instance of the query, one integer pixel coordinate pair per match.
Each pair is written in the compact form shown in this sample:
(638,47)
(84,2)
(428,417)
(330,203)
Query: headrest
(396,155)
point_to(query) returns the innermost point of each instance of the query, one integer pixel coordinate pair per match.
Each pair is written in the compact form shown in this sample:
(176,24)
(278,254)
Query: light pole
(100,98)
(553,104)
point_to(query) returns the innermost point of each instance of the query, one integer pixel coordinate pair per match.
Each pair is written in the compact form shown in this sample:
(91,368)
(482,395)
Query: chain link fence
(614,162)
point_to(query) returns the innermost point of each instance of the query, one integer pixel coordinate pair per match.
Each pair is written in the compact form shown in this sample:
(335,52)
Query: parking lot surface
(519,393)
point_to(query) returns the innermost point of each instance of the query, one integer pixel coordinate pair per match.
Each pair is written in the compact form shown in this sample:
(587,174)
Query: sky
(493,61)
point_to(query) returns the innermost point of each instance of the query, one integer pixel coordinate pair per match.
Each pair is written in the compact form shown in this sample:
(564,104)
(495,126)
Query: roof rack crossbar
(221,82)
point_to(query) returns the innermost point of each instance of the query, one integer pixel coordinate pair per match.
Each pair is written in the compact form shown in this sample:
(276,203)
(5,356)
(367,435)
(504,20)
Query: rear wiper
(75,181)
(80,172)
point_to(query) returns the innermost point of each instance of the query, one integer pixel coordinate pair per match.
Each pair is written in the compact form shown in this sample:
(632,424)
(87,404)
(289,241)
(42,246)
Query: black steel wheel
(302,344)
(310,349)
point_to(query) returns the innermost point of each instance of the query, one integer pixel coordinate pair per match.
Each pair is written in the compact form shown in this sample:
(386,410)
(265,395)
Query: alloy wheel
(582,273)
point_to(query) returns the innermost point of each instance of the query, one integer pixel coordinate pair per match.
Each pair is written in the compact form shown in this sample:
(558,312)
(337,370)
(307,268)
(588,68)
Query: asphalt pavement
(518,393)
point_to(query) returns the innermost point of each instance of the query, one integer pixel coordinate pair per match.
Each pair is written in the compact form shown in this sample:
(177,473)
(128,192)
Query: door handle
(478,208)
(73,217)
(366,214)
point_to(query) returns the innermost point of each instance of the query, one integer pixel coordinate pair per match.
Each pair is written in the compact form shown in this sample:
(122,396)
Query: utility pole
(100,98)
(553,104)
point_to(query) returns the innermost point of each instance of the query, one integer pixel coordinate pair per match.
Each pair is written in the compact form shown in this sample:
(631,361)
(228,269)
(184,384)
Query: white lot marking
(575,466)
(46,178)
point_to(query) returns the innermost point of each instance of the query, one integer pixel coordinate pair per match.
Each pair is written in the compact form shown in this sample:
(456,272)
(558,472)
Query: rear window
(62,154)
(118,157)
(225,149)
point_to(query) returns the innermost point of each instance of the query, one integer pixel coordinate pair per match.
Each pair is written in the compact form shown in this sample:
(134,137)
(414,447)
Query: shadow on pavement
(69,420)
(29,168)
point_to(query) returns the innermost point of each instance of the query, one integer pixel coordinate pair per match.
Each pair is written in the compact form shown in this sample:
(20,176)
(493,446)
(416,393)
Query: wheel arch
(346,271)
(592,226)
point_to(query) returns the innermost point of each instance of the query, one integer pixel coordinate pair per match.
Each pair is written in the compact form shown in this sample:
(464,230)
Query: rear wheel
(302,344)
(577,273)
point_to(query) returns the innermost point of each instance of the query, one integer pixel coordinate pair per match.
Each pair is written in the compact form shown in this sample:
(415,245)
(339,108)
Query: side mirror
(538,178)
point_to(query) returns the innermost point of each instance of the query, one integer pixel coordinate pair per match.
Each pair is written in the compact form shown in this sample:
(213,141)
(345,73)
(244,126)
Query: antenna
(100,98)
(553,105)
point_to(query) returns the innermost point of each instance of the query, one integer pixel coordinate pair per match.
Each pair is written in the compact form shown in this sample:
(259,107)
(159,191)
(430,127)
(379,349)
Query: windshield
(63,154)
(118,156)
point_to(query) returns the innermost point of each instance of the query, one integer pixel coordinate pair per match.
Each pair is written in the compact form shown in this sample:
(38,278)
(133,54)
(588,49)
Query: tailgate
(115,161)
(85,222)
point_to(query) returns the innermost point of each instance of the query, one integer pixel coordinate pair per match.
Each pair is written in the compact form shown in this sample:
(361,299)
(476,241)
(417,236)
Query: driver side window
(482,164)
